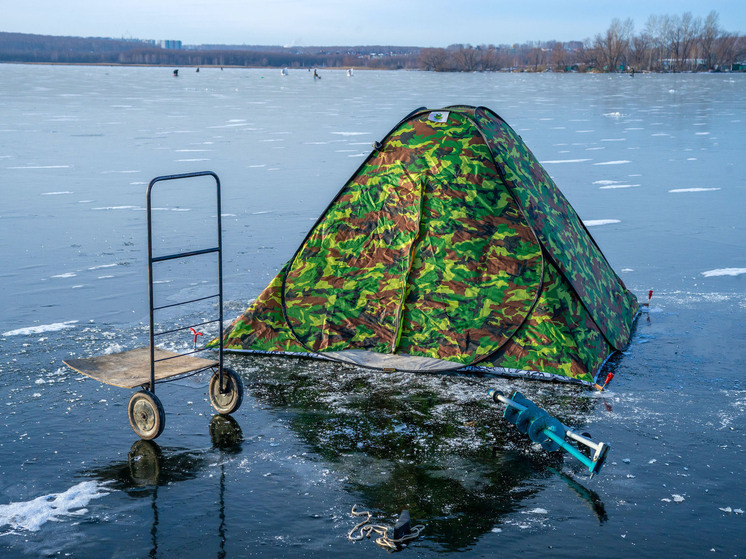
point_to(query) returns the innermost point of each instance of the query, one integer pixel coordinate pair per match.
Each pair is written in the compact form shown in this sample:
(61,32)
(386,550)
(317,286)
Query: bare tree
(728,48)
(612,46)
(640,51)
(466,59)
(690,30)
(434,59)
(708,35)
(558,56)
(672,36)
(490,60)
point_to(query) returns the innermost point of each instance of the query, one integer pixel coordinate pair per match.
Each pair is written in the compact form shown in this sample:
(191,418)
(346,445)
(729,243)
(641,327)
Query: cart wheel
(146,415)
(231,399)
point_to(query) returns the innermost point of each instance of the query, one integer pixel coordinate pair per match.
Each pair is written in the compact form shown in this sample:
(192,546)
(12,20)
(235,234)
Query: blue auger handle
(525,414)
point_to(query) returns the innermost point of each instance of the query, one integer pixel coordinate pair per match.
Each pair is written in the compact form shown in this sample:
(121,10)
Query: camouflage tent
(449,248)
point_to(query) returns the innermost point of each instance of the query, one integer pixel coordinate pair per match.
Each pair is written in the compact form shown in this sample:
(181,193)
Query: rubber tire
(146,415)
(229,402)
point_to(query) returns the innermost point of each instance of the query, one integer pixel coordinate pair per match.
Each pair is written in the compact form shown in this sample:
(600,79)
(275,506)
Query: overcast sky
(348,22)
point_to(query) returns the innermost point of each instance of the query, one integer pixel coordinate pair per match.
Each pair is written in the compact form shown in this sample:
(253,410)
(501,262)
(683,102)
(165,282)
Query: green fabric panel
(262,326)
(561,232)
(559,337)
(476,269)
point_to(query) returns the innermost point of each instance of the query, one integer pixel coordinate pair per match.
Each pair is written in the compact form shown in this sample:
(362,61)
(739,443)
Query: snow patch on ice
(54,327)
(32,515)
(618,186)
(596,222)
(724,272)
(694,189)
(42,167)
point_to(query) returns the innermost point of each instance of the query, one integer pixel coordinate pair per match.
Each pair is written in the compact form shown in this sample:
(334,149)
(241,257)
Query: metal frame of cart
(145,367)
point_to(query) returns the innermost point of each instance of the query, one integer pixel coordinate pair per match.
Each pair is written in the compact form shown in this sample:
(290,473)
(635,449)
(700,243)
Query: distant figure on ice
(197,69)
(284,72)
(349,73)
(176,73)
(316,75)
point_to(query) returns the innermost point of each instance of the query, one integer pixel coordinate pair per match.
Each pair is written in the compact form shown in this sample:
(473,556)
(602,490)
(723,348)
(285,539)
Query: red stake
(195,336)
(608,379)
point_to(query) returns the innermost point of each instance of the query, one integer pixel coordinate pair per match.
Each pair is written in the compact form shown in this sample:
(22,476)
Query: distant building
(169,44)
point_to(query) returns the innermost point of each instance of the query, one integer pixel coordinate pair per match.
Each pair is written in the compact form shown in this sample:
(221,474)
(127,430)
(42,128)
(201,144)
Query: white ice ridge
(595,222)
(724,272)
(565,161)
(32,515)
(693,189)
(54,327)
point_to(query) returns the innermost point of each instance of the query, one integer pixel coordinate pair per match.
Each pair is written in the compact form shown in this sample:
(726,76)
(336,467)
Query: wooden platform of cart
(130,369)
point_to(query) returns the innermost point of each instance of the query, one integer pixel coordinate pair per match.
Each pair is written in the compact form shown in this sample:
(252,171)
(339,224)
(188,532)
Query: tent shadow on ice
(450,248)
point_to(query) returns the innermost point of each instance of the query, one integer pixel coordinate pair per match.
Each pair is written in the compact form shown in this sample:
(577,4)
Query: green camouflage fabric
(561,232)
(436,250)
(559,336)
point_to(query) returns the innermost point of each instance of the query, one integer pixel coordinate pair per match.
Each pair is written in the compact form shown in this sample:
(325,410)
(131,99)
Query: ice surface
(331,436)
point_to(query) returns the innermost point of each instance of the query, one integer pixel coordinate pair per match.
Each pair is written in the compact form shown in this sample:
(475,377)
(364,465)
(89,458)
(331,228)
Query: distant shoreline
(660,49)
(209,66)
(355,68)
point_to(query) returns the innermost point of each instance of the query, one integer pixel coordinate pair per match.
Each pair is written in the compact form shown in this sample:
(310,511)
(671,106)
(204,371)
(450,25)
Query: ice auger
(549,431)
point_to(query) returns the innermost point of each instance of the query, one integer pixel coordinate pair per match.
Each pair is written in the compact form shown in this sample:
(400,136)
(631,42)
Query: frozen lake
(654,166)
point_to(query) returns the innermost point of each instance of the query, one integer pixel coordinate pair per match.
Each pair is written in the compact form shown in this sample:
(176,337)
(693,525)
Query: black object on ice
(402,526)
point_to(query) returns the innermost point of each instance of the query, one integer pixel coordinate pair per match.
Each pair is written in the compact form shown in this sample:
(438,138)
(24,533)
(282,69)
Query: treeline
(665,44)
(266,59)
(25,47)
(29,48)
